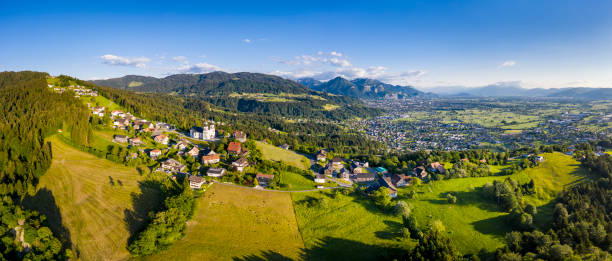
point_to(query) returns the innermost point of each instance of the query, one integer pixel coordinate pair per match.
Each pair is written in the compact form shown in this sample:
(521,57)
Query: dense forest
(30,112)
(218,87)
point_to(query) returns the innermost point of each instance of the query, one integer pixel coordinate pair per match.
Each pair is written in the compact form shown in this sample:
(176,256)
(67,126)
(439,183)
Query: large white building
(203,133)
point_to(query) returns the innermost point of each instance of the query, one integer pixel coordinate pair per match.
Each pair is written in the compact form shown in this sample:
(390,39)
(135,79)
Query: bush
(452,199)
(402,208)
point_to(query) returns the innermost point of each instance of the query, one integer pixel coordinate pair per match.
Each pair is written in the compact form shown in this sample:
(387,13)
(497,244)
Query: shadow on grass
(149,199)
(330,248)
(393,231)
(465,198)
(44,203)
(264,256)
(493,226)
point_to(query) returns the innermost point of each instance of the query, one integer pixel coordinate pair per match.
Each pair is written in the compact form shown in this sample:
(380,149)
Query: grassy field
(271,152)
(239,223)
(347,229)
(348,223)
(471,219)
(99,203)
(293,181)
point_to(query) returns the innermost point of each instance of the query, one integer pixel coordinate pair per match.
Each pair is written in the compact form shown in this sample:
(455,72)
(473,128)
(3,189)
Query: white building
(203,133)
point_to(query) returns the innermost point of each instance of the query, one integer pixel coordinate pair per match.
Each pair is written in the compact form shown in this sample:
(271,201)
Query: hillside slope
(93,203)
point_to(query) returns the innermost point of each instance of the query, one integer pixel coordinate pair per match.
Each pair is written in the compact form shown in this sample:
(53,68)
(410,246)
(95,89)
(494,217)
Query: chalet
(239,136)
(155,132)
(337,162)
(401,180)
(264,180)
(163,139)
(483,161)
(155,153)
(321,155)
(240,164)
(99,111)
(203,133)
(344,174)
(328,170)
(121,122)
(210,158)
(196,182)
(385,181)
(284,146)
(359,167)
(364,177)
(215,172)
(172,165)
(193,152)
(120,139)
(437,167)
(539,158)
(234,148)
(135,142)
(420,172)
(319,178)
(117,113)
(181,145)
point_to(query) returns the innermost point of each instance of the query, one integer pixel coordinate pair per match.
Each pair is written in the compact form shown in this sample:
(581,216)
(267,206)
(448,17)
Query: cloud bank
(112,59)
(327,65)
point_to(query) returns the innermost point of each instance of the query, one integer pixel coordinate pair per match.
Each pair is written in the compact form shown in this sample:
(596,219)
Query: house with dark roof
(196,182)
(420,172)
(120,139)
(264,180)
(364,177)
(172,165)
(385,181)
(321,155)
(215,172)
(319,178)
(240,164)
(401,180)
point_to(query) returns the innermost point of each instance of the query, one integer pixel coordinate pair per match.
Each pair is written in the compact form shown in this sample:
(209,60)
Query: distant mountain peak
(361,88)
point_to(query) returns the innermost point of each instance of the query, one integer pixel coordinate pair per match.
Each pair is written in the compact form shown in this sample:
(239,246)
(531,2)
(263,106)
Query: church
(203,133)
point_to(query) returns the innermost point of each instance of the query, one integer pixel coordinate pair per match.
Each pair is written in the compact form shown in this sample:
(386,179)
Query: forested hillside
(362,88)
(249,92)
(30,112)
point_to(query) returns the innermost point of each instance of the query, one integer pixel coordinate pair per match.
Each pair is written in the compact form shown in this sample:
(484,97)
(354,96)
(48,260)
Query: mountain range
(514,89)
(361,88)
(208,84)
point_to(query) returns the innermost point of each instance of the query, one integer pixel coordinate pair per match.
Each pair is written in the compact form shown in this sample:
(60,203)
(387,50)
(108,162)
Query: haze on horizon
(547,44)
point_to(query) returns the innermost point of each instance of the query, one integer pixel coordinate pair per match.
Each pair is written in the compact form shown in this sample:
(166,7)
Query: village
(413,125)
(197,156)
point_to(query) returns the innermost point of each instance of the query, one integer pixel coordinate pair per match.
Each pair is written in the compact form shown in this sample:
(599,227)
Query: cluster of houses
(361,173)
(77,89)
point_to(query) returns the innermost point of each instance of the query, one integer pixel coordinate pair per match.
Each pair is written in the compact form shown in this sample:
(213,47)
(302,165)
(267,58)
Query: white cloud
(179,58)
(327,65)
(111,59)
(246,40)
(198,68)
(508,63)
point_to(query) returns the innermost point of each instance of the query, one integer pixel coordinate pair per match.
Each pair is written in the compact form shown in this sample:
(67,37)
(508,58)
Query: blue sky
(422,43)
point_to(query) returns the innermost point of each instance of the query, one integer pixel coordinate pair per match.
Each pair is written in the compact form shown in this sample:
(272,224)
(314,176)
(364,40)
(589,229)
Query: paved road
(298,191)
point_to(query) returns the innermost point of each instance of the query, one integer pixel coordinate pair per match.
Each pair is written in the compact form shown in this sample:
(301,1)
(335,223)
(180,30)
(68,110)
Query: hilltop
(362,88)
